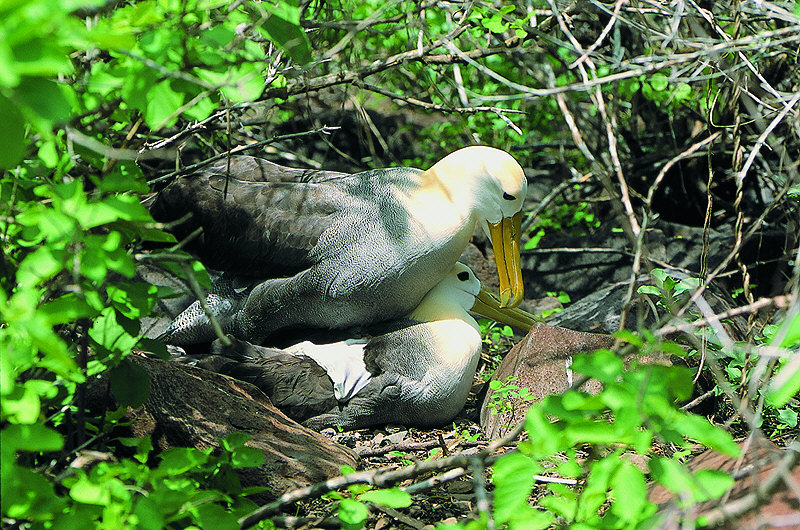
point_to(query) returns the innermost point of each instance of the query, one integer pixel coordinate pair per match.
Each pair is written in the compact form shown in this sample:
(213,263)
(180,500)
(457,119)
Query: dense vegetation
(641,111)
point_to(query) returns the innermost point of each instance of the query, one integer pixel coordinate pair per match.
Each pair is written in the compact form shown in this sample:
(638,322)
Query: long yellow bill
(506,237)
(487,304)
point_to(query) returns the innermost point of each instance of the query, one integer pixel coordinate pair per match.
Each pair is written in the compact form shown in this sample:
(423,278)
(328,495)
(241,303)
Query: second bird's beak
(487,305)
(506,237)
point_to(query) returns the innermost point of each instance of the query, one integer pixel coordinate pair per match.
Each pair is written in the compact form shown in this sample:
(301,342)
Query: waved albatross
(417,373)
(336,250)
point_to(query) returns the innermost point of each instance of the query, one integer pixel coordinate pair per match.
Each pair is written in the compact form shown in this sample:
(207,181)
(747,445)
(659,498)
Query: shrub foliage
(686,112)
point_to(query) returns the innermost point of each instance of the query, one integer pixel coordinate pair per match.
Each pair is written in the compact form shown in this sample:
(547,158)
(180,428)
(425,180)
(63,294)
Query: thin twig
(555,192)
(412,446)
(687,153)
(603,34)
(777,301)
(481,498)
(762,139)
(435,480)
(381,477)
(763,489)
(241,149)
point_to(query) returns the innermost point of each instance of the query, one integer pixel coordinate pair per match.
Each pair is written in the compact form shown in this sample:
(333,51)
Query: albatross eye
(463,276)
(509,197)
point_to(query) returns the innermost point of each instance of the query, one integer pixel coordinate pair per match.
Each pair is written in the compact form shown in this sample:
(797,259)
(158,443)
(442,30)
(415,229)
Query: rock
(781,508)
(397,437)
(540,362)
(192,407)
(600,312)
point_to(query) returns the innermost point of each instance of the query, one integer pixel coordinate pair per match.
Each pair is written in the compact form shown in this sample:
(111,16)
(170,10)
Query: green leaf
(682,92)
(141,14)
(495,23)
(48,153)
(179,460)
(700,429)
(702,486)
(788,417)
(790,333)
(94,262)
(41,57)
(629,490)
(146,233)
(66,308)
(392,497)
(162,105)
(216,517)
(570,468)
(595,492)
(245,83)
(671,474)
(26,495)
(712,484)
(110,38)
(659,82)
(347,470)
(125,177)
(156,347)
(44,99)
(88,492)
(8,68)
(247,457)
(289,36)
(34,437)
(603,365)
(12,135)
(21,405)
(630,337)
(546,438)
(203,108)
(41,265)
(109,333)
(595,432)
(352,514)
(563,504)
(127,207)
(148,513)
(116,256)
(130,384)
(235,440)
(56,355)
(513,477)
(47,223)
(143,445)
(133,300)
(529,519)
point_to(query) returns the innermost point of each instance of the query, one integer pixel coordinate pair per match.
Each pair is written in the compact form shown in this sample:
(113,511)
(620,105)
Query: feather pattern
(416,372)
(334,250)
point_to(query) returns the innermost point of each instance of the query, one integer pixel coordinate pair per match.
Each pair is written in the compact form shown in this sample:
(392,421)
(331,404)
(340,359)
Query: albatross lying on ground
(342,250)
(418,373)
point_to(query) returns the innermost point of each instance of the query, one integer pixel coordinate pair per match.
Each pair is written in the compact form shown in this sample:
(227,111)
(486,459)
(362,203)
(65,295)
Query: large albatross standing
(342,250)
(419,372)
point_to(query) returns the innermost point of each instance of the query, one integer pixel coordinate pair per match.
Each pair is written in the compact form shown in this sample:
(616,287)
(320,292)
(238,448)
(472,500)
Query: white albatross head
(459,292)
(492,185)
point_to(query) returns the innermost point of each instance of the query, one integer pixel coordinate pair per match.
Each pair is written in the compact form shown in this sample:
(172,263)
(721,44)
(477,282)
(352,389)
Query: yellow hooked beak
(486,304)
(506,236)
